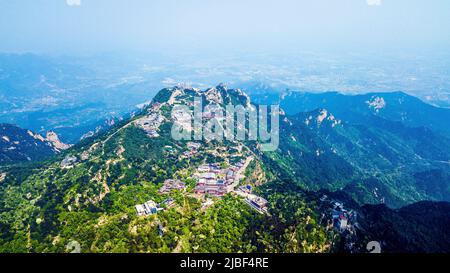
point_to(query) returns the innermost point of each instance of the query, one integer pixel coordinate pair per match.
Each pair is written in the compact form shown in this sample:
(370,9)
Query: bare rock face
(53,139)
(19,145)
(214,95)
(376,103)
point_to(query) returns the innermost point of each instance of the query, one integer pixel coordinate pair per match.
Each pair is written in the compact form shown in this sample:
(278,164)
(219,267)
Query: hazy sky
(72,26)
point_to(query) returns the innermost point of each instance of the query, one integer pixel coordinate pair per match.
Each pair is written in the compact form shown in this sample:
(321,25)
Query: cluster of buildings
(342,218)
(148,208)
(213,180)
(210,181)
(340,221)
(151,207)
(193,148)
(150,124)
(172,184)
(258,203)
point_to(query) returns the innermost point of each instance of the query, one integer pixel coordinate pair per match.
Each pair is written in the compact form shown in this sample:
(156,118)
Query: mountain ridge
(92,195)
(20,145)
(394,106)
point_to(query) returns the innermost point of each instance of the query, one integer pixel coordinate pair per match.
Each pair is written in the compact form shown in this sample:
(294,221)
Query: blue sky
(76,26)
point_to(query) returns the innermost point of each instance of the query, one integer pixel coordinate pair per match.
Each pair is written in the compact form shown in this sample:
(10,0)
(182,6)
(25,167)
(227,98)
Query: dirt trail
(239,174)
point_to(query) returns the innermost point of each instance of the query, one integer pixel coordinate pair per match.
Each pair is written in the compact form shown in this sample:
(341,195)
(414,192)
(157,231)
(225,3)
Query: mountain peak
(53,139)
(219,94)
(321,116)
(20,145)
